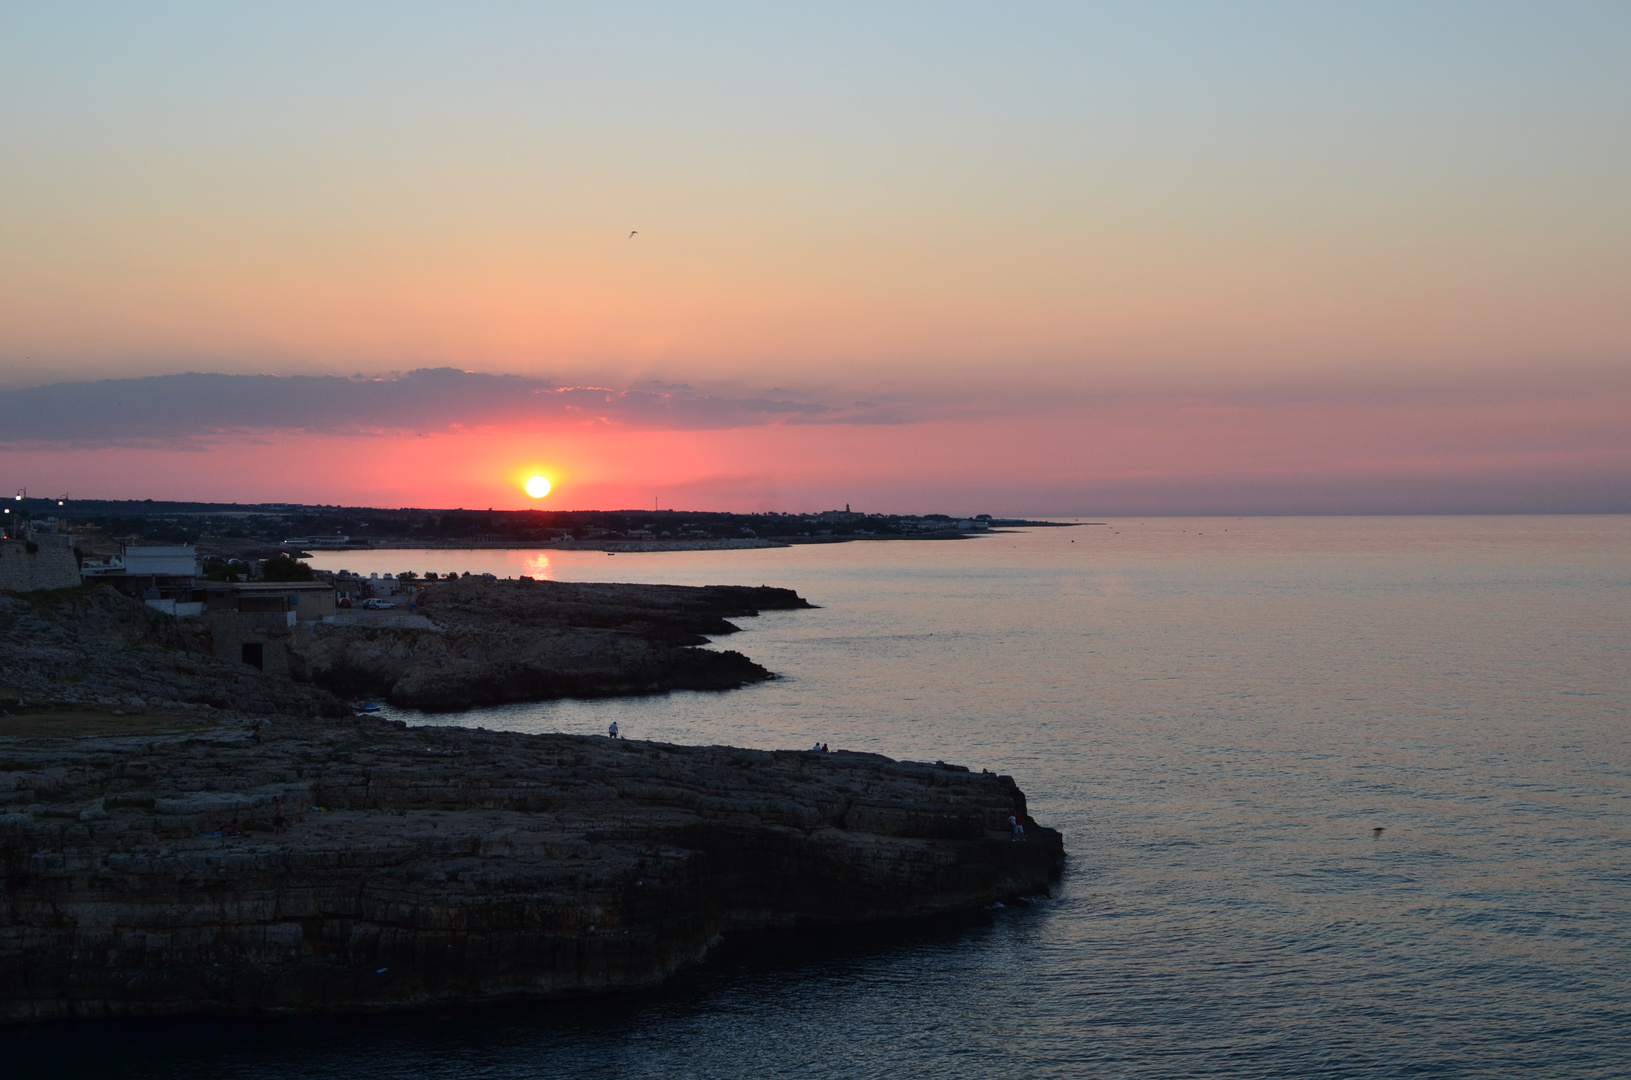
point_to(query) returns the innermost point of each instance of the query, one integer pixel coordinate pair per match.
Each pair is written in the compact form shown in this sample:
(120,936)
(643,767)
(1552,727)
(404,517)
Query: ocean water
(1218,714)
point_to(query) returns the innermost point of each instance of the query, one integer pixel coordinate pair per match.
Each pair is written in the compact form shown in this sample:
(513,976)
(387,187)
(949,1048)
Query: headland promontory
(183,833)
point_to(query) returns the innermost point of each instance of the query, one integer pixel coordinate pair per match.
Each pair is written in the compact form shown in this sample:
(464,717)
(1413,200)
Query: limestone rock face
(99,648)
(430,863)
(492,641)
(497,641)
(45,563)
(454,864)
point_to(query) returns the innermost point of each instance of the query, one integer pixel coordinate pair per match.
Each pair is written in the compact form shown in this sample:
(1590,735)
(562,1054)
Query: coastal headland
(484,642)
(140,777)
(473,642)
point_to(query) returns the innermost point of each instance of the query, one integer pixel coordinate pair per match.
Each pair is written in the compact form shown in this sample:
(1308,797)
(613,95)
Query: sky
(1064,260)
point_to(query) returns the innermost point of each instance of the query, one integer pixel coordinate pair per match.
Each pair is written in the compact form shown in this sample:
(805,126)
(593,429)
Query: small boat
(365,706)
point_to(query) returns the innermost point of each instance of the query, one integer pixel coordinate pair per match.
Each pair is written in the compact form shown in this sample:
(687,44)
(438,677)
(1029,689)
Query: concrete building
(292,601)
(318,543)
(839,517)
(252,621)
(179,561)
(163,577)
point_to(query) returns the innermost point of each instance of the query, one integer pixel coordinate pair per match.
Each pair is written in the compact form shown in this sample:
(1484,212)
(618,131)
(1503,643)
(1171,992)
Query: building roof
(265,586)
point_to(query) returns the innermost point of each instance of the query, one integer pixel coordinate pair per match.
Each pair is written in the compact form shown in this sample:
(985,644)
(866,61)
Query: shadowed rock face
(464,863)
(494,641)
(447,863)
(498,641)
(100,649)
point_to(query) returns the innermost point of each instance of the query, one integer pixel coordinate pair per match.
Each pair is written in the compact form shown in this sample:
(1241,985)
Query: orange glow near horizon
(1096,454)
(535,479)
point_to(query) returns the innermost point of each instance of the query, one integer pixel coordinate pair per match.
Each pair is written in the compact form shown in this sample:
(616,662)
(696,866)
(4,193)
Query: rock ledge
(453,864)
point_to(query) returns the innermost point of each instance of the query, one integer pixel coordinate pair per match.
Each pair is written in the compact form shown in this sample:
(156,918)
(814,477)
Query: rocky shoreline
(499,641)
(422,864)
(447,864)
(484,642)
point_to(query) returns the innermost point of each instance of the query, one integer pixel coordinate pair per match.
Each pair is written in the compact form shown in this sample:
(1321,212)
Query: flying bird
(633,233)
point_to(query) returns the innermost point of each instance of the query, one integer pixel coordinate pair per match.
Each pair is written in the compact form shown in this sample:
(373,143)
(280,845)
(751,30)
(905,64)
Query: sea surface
(1218,714)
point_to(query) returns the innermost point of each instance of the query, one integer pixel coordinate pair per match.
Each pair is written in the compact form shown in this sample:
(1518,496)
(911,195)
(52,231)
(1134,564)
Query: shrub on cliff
(284,567)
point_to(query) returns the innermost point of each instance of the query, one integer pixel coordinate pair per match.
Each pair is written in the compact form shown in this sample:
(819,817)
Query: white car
(374,603)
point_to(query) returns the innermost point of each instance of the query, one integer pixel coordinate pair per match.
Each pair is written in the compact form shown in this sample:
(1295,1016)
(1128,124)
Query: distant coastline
(743,544)
(261,530)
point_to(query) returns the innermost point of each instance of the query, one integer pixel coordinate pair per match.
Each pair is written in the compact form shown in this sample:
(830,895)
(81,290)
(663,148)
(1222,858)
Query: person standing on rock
(612,731)
(1017,825)
(278,819)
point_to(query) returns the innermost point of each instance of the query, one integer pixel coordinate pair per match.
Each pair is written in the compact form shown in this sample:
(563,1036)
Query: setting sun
(538,487)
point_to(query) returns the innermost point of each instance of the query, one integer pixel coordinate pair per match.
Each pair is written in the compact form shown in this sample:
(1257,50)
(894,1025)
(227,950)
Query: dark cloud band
(171,408)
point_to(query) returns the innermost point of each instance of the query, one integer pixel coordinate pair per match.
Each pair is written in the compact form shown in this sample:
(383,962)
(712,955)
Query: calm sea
(1218,714)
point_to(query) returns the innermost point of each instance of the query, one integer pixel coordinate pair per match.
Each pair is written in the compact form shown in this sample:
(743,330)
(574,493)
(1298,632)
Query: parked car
(376,604)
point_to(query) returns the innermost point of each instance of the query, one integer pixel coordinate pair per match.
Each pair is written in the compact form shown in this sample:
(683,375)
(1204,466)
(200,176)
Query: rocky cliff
(95,648)
(490,641)
(496,641)
(428,863)
(436,863)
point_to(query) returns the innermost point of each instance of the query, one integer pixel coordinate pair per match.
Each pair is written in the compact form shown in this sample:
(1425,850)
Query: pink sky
(1018,263)
(1530,449)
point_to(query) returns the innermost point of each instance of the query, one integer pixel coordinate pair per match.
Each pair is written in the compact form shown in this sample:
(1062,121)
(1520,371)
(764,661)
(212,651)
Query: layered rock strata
(498,641)
(453,864)
(46,562)
(490,642)
(94,648)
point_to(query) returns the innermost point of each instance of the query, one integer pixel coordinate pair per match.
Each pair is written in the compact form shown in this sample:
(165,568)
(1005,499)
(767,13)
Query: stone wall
(50,566)
(230,631)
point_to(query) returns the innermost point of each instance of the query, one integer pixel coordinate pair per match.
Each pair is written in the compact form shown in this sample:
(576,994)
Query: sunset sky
(1018,259)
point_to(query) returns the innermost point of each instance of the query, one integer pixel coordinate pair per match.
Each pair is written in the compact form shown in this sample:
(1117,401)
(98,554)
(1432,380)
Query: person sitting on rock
(232,828)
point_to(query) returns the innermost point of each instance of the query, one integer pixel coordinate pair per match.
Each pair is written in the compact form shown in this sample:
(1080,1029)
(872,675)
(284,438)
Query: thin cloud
(180,409)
